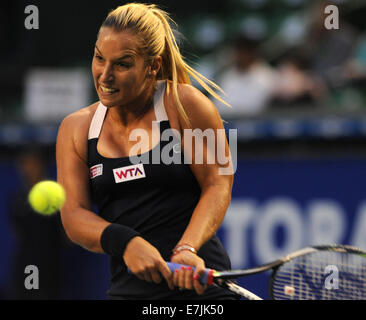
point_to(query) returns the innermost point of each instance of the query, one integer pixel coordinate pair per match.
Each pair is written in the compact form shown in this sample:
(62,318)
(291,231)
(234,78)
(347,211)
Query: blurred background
(298,100)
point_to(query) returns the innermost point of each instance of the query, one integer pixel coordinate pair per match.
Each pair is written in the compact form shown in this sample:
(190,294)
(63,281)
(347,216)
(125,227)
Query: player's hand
(186,278)
(145,261)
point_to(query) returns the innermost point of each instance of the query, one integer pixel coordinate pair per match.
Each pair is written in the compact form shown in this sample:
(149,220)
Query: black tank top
(153,197)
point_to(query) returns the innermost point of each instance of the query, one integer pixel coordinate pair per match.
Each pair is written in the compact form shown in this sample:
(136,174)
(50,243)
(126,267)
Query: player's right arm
(81,224)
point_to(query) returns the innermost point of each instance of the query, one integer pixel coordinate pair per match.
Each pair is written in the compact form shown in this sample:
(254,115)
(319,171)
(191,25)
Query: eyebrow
(127,55)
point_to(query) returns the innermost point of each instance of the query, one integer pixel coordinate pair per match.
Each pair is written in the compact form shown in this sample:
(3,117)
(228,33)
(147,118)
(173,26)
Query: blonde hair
(156,34)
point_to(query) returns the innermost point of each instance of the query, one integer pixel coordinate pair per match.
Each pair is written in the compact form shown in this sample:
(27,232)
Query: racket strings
(322,275)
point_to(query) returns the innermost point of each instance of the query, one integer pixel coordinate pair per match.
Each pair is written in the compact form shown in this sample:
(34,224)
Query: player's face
(119,70)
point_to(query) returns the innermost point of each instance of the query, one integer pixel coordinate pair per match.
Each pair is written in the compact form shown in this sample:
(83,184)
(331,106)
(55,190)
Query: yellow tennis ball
(47,197)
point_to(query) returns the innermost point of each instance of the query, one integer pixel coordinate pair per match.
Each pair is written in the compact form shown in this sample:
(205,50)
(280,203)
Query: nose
(107,75)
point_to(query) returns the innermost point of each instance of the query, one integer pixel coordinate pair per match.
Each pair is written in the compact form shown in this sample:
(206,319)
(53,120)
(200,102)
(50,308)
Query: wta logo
(129,173)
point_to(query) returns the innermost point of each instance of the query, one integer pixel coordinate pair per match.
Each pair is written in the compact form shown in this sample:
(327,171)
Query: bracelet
(183,247)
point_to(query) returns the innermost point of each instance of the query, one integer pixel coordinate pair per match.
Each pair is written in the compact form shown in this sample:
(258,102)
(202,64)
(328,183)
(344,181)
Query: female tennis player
(147,213)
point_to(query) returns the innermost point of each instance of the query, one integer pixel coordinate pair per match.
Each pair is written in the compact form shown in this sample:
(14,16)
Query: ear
(155,66)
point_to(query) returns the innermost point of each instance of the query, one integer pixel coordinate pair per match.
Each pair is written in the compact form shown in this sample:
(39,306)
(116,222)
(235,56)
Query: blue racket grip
(207,278)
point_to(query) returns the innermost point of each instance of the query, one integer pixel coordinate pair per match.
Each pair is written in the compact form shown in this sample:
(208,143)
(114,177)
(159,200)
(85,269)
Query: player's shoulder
(198,107)
(80,119)
(81,116)
(191,97)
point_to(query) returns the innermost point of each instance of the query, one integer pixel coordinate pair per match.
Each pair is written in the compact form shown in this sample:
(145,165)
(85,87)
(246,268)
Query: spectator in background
(328,50)
(39,239)
(294,86)
(354,70)
(248,82)
(321,63)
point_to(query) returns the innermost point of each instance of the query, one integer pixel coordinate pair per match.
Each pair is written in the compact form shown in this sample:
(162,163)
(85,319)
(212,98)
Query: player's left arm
(215,187)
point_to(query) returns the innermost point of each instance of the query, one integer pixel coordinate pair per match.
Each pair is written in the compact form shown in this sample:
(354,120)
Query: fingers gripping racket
(329,272)
(212,277)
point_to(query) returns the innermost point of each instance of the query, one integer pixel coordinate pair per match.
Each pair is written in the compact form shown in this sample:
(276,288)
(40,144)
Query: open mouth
(108,90)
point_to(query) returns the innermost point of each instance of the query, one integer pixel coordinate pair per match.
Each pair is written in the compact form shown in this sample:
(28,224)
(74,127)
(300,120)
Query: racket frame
(335,248)
(222,278)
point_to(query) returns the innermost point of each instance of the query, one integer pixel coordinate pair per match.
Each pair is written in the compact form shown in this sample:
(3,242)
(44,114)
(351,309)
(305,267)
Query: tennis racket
(328,272)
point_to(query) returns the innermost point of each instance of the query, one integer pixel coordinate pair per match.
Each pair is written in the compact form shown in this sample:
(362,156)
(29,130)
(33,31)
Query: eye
(123,64)
(98,57)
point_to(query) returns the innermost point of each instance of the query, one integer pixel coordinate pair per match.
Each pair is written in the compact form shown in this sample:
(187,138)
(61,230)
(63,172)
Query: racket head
(325,272)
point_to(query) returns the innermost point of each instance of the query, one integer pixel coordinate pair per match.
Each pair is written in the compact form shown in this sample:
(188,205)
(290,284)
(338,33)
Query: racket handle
(207,277)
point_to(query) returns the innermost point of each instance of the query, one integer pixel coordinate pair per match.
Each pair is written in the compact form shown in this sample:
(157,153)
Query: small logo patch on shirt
(128,173)
(96,170)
